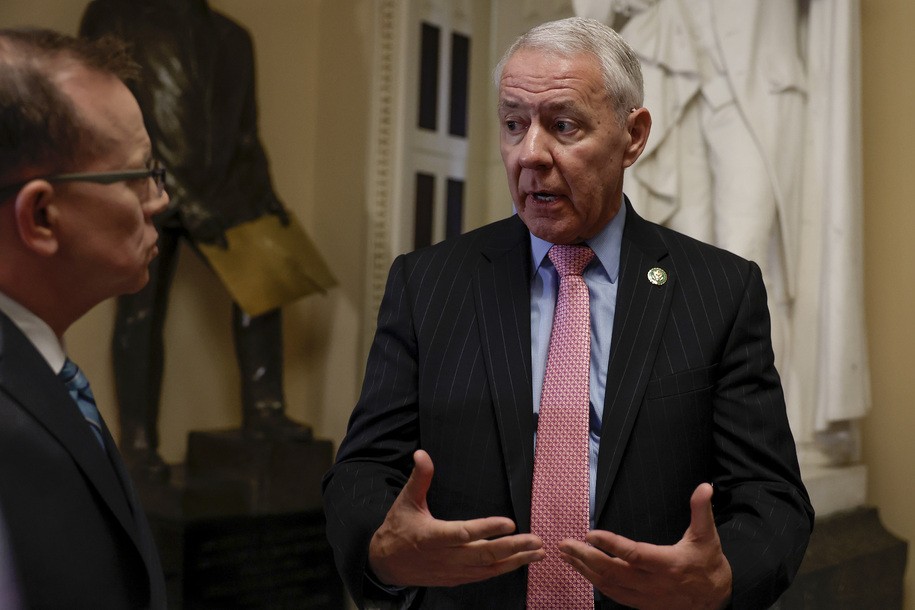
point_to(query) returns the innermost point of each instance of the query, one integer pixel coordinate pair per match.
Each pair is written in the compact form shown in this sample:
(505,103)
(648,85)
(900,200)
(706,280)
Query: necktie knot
(570,260)
(74,379)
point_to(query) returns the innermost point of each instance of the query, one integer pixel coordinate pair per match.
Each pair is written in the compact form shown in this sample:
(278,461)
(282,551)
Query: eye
(563,126)
(511,126)
(137,183)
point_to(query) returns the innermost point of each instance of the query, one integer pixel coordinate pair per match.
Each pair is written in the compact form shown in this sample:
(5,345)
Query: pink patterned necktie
(559,501)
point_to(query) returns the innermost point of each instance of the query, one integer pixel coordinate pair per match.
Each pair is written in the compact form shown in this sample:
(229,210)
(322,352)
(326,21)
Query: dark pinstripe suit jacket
(692,396)
(78,535)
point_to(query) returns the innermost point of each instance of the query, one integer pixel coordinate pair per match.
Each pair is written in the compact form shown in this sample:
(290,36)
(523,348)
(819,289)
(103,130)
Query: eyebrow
(552,106)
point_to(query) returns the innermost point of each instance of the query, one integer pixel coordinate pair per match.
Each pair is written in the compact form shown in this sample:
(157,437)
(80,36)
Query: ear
(638,125)
(36,217)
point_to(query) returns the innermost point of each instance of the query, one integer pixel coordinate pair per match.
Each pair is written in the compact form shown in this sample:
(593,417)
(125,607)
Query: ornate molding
(384,156)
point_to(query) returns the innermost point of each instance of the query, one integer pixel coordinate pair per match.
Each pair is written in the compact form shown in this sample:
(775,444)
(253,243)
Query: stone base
(852,563)
(835,489)
(251,562)
(254,475)
(240,525)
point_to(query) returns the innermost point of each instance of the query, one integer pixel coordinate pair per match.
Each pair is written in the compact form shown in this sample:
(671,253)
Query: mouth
(543,197)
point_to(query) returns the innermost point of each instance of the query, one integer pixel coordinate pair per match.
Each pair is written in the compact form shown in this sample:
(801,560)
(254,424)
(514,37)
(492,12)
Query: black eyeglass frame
(157,173)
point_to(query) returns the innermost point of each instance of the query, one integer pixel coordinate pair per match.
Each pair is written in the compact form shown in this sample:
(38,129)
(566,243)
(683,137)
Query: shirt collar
(606,246)
(36,330)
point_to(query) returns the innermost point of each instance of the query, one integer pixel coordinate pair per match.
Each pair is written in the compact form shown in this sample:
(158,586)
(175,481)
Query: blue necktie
(79,389)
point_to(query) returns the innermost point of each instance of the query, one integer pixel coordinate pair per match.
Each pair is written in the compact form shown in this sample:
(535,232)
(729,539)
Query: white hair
(567,37)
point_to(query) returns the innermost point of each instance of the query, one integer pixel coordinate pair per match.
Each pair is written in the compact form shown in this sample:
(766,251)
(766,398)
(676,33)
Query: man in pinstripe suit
(696,496)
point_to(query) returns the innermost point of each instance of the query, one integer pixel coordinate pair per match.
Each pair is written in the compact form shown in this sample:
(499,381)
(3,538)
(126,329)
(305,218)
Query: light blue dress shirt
(601,276)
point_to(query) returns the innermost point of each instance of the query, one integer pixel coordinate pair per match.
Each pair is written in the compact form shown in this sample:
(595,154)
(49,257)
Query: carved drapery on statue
(755,147)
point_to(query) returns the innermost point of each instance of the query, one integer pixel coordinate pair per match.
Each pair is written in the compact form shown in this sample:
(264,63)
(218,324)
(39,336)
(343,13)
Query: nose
(535,149)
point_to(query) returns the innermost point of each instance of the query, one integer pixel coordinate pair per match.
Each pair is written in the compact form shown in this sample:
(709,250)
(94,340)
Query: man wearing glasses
(78,191)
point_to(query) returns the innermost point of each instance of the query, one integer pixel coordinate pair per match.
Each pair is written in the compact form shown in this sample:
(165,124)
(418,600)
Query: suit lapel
(502,288)
(641,312)
(26,376)
(144,537)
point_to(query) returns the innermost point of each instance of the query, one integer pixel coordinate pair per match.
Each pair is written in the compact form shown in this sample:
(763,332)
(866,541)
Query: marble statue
(755,147)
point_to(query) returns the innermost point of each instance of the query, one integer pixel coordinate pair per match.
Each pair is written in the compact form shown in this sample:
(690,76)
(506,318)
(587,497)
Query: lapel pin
(657,276)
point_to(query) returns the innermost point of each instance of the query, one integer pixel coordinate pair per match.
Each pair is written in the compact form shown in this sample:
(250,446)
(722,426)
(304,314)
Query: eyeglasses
(156,172)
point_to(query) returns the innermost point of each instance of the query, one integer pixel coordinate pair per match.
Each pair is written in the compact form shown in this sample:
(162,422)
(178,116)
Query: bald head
(41,130)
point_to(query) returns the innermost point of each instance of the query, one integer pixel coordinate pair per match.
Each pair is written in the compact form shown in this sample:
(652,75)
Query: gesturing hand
(693,573)
(413,548)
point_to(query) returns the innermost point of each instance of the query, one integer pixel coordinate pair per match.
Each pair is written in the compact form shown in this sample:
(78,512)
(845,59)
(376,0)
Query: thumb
(420,479)
(702,519)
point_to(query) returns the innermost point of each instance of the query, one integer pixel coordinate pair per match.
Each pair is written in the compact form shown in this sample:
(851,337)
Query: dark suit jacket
(78,534)
(692,395)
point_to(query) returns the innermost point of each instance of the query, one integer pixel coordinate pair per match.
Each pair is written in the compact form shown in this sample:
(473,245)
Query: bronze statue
(197,94)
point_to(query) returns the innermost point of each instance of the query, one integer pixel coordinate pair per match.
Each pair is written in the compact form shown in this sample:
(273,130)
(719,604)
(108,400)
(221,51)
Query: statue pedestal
(852,561)
(267,475)
(241,525)
(835,489)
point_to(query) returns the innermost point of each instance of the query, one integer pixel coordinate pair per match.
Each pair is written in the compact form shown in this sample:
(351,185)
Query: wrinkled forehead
(107,108)
(545,66)
(530,74)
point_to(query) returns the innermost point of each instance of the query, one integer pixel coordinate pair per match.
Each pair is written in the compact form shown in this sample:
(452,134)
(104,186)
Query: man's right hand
(414,549)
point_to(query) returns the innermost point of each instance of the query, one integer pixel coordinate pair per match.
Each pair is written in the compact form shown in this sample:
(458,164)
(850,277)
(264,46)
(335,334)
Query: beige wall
(889,238)
(313,88)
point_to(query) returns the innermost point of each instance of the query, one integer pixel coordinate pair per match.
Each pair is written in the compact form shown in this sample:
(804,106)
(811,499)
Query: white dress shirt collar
(37,331)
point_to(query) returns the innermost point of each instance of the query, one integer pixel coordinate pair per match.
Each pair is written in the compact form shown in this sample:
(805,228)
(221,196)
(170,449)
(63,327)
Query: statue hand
(276,208)
(204,226)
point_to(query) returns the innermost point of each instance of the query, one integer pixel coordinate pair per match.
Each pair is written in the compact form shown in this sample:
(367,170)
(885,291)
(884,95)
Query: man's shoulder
(680,246)
(460,257)
(506,229)
(701,269)
(502,234)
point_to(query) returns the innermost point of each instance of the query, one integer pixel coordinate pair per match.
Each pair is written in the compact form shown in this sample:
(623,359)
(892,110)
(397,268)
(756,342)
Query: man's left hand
(693,573)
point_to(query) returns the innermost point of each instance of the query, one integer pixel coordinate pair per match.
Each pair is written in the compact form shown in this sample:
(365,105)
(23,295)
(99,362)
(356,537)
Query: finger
(640,556)
(420,479)
(458,575)
(492,558)
(614,544)
(702,519)
(488,552)
(619,589)
(609,574)
(588,558)
(515,561)
(491,527)
(612,576)
(614,587)
(456,533)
